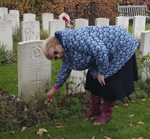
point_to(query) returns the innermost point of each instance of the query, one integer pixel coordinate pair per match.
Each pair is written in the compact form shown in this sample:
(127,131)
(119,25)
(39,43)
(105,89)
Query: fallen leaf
(25,109)
(49,136)
(106,137)
(92,118)
(131,115)
(102,130)
(86,119)
(41,131)
(93,137)
(59,125)
(12,132)
(23,129)
(140,122)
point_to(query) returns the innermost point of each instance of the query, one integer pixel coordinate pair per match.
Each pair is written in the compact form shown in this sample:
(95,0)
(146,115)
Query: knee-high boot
(95,108)
(106,113)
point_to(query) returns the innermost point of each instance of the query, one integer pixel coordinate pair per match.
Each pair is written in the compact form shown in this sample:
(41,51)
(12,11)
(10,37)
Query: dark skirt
(118,86)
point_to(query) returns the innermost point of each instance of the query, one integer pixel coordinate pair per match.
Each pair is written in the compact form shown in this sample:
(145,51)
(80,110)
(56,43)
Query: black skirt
(118,86)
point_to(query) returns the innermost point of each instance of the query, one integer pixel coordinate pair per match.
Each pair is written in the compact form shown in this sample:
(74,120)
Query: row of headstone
(76,81)
(145,50)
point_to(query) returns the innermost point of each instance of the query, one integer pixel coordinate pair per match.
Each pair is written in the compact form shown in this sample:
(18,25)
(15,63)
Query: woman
(108,54)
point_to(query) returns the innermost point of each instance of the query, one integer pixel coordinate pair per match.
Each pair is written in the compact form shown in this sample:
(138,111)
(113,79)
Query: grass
(8,78)
(124,125)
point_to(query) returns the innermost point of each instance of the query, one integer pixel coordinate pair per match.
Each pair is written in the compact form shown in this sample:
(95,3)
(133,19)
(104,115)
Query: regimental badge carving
(36,53)
(30,33)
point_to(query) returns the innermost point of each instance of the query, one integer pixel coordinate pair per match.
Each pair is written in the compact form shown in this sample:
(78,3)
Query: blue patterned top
(102,50)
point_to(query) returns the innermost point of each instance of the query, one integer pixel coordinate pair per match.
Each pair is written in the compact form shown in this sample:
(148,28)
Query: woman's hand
(101,79)
(51,93)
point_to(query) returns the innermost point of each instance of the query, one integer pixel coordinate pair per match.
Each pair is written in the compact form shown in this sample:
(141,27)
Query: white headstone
(34,70)
(81,23)
(18,16)
(123,22)
(64,15)
(138,26)
(4,10)
(30,30)
(46,17)
(13,19)
(145,49)
(76,82)
(6,35)
(145,42)
(56,25)
(29,17)
(102,22)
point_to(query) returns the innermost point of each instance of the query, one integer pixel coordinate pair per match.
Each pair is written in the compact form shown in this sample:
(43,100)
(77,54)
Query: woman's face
(56,52)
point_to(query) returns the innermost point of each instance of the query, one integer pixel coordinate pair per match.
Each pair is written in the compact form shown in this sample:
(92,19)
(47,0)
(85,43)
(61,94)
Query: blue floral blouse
(101,49)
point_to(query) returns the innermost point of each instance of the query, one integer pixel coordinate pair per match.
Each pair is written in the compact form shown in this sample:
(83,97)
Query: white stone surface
(138,26)
(29,17)
(76,82)
(64,14)
(81,23)
(16,12)
(46,17)
(4,10)
(13,19)
(56,25)
(102,22)
(6,35)
(145,49)
(123,22)
(34,70)
(1,16)
(30,30)
(145,42)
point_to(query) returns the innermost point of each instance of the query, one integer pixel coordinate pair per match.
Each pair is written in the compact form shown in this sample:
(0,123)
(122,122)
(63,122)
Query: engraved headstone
(145,42)
(4,10)
(16,12)
(30,30)
(123,22)
(29,17)
(76,82)
(145,49)
(6,35)
(64,15)
(13,19)
(102,22)
(46,17)
(138,26)
(81,23)
(34,70)
(56,25)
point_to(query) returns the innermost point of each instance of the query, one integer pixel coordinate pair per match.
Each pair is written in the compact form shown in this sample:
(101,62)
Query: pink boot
(96,106)
(106,114)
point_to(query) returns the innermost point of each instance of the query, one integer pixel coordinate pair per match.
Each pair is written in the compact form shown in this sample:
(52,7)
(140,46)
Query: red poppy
(139,52)
(64,18)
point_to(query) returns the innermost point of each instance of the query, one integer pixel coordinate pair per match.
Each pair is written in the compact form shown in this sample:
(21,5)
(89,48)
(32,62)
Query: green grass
(9,78)
(122,126)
